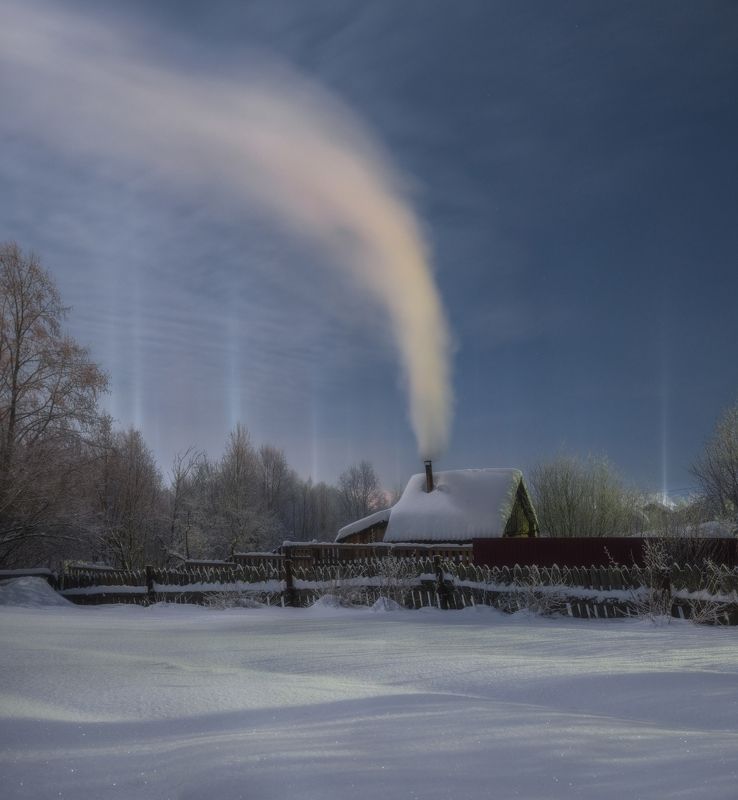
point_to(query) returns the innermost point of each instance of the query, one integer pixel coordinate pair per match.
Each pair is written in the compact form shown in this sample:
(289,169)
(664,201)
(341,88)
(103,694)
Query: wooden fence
(192,583)
(599,592)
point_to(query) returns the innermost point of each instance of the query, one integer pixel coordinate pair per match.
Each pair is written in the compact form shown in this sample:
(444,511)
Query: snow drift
(142,704)
(30,592)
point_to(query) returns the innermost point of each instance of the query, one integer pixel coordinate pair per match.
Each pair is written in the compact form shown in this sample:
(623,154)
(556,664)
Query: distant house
(464,504)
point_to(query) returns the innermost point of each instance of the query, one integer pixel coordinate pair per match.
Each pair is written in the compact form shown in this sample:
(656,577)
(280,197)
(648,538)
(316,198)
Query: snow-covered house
(464,504)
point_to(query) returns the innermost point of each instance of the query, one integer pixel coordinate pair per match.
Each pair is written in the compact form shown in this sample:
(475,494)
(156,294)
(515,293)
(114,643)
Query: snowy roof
(465,504)
(364,523)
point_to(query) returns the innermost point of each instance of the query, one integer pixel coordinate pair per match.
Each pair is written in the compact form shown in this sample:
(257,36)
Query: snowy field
(185,702)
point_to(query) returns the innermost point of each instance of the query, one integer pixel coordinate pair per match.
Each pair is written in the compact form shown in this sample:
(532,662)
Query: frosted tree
(313,510)
(359,491)
(128,499)
(717,468)
(49,389)
(237,485)
(583,497)
(181,495)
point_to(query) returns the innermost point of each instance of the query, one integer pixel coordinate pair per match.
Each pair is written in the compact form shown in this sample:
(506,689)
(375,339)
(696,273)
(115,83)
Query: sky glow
(572,173)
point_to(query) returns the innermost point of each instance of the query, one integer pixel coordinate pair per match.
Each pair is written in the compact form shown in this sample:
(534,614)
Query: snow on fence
(32,572)
(708,592)
(194,583)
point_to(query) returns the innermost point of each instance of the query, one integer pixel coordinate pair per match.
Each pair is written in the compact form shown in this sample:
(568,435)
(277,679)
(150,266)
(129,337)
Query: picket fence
(415,582)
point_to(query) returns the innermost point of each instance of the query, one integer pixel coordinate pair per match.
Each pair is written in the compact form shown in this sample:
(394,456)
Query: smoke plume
(273,137)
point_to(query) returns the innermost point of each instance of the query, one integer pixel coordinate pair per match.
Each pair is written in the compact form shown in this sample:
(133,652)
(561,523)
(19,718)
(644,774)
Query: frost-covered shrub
(529,592)
(708,607)
(706,602)
(361,582)
(655,600)
(396,576)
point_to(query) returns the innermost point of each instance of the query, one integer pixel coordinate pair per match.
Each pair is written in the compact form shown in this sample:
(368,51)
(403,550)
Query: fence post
(441,588)
(290,598)
(149,584)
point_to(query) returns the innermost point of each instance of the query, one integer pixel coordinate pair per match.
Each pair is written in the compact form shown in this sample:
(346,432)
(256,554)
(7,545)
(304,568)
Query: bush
(576,497)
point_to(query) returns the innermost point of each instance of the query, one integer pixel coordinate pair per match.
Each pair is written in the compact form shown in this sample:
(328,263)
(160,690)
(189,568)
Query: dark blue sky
(574,164)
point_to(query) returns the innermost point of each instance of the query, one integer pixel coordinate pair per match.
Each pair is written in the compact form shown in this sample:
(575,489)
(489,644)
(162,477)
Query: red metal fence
(575,551)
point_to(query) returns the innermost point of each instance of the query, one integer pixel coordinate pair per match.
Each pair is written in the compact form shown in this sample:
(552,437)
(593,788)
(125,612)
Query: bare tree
(273,471)
(205,524)
(717,468)
(359,491)
(238,491)
(575,497)
(49,388)
(303,510)
(684,518)
(129,500)
(316,510)
(181,497)
(327,511)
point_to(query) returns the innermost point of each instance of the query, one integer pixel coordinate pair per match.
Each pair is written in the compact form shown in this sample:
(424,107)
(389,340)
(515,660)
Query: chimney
(428,476)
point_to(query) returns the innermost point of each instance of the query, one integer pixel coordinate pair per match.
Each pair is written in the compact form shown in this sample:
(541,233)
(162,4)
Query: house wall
(374,533)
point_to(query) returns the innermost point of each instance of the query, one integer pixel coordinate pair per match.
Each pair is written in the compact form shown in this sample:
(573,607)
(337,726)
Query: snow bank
(465,504)
(386,604)
(30,592)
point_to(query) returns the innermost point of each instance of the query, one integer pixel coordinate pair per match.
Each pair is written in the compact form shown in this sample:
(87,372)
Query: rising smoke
(273,136)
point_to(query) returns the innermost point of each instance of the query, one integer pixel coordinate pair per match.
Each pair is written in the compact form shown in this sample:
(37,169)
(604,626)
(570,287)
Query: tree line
(73,486)
(577,496)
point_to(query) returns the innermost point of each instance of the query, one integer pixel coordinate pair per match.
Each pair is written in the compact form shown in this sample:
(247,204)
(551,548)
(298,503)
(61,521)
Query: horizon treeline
(73,486)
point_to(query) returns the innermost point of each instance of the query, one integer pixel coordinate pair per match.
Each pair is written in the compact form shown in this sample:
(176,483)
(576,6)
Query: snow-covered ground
(185,702)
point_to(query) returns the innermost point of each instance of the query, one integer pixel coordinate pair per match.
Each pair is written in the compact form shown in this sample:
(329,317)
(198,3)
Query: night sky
(574,166)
